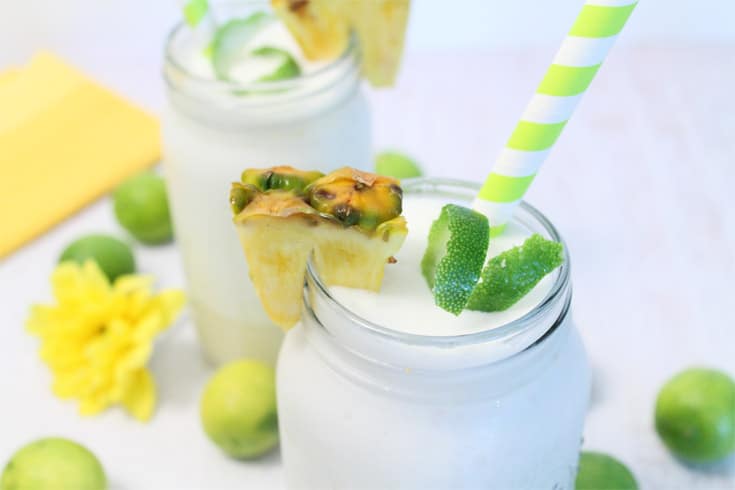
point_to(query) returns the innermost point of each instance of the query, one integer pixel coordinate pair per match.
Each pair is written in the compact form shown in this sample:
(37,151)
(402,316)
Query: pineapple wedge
(318,26)
(380,26)
(349,257)
(322,28)
(349,221)
(275,234)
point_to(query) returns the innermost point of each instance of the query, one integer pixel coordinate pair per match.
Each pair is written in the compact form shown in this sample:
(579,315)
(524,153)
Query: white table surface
(641,185)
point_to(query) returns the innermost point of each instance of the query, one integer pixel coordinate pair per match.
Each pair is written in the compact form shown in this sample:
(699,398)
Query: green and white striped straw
(566,80)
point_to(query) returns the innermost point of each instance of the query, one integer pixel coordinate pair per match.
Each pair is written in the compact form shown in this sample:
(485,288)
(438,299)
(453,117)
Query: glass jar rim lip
(350,55)
(513,327)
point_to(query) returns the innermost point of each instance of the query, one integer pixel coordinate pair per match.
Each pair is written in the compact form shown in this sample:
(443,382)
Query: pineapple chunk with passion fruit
(283,177)
(357,198)
(349,220)
(369,207)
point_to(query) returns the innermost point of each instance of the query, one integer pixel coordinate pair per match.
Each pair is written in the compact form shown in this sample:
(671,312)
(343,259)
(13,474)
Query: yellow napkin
(64,141)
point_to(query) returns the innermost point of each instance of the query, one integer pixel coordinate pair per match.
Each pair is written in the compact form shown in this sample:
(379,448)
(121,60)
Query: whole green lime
(398,165)
(114,257)
(598,471)
(238,409)
(695,415)
(141,207)
(53,463)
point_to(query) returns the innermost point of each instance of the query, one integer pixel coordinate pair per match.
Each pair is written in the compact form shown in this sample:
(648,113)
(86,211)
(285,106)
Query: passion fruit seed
(241,195)
(346,214)
(357,198)
(282,178)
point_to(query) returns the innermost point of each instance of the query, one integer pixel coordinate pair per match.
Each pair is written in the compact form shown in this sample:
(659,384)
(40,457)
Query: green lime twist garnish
(451,265)
(231,38)
(509,276)
(287,66)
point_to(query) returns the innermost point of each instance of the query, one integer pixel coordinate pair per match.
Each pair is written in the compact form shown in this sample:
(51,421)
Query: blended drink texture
(358,409)
(194,55)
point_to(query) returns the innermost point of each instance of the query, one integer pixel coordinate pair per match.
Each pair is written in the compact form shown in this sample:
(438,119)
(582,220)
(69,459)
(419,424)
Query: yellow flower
(98,337)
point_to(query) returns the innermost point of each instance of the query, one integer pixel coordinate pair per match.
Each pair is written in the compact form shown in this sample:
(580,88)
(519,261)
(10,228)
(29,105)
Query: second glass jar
(212,130)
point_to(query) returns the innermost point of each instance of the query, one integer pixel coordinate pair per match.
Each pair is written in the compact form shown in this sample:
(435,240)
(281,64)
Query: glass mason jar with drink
(386,390)
(242,93)
(429,340)
(407,349)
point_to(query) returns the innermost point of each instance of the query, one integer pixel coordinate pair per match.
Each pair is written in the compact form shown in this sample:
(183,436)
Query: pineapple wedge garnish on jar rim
(318,26)
(322,29)
(349,222)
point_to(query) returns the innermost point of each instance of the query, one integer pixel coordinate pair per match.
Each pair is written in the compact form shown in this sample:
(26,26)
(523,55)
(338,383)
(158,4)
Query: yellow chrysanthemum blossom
(97,337)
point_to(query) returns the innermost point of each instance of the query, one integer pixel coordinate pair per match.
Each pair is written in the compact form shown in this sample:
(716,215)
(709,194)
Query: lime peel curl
(511,275)
(287,67)
(232,37)
(455,254)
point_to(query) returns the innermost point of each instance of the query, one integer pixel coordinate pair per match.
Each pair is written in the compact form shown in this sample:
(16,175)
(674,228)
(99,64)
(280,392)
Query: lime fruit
(113,256)
(398,165)
(598,471)
(141,207)
(53,463)
(238,409)
(695,415)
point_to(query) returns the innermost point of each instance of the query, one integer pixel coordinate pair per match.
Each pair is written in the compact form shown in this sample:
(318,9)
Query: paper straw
(556,97)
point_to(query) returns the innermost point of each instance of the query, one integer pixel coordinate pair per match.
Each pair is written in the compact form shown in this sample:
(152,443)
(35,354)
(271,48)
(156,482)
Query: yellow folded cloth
(64,141)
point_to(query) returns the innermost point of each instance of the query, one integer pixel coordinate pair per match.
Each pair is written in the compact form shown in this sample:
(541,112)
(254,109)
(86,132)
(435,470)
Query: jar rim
(350,57)
(512,328)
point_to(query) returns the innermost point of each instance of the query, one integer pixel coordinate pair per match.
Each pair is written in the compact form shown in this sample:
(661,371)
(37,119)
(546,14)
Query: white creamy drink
(405,302)
(386,390)
(213,129)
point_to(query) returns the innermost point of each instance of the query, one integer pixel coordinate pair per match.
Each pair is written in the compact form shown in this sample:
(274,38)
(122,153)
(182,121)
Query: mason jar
(363,405)
(212,130)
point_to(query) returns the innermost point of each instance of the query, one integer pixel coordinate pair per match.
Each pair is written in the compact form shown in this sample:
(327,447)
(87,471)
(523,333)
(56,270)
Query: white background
(640,184)
(132,30)
(120,42)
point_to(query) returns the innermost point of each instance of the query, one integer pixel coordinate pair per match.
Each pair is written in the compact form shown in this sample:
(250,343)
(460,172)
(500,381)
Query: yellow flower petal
(140,399)
(97,338)
(133,283)
(170,302)
(134,359)
(94,276)
(93,405)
